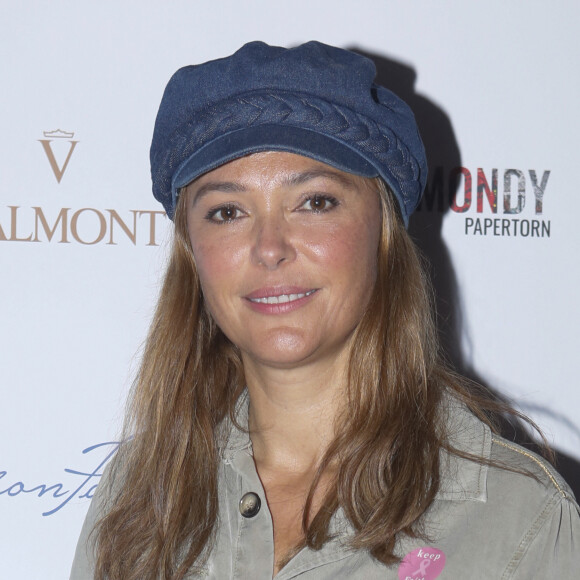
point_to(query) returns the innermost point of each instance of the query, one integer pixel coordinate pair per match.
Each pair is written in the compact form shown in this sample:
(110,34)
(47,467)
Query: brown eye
(227,213)
(224,214)
(319,203)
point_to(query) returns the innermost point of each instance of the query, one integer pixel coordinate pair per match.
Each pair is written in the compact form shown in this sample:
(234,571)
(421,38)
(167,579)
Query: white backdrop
(496,87)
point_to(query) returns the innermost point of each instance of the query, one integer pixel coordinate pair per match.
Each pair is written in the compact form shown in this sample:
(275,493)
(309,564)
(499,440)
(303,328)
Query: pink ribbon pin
(422,564)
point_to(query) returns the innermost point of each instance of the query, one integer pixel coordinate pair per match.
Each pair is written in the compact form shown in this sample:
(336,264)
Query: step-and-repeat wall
(495,88)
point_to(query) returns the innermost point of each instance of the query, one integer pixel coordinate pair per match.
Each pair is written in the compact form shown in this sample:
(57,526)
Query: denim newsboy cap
(314,100)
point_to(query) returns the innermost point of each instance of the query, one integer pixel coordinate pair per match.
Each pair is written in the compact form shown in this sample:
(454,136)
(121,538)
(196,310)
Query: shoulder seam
(561,491)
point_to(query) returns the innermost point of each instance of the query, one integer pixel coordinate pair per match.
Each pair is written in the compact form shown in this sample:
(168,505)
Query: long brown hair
(162,498)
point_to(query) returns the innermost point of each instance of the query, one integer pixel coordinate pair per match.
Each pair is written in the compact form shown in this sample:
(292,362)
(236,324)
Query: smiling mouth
(282,298)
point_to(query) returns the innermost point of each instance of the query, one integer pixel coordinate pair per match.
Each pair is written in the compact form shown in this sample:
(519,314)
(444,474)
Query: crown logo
(58,134)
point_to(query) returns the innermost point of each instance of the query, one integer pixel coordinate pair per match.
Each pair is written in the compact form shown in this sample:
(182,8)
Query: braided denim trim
(377,144)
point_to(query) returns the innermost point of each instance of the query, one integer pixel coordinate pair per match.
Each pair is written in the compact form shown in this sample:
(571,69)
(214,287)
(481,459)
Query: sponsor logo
(87,226)
(60,138)
(80,484)
(521,200)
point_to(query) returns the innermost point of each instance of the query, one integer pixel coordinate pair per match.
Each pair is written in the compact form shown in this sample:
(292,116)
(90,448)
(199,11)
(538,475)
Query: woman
(291,417)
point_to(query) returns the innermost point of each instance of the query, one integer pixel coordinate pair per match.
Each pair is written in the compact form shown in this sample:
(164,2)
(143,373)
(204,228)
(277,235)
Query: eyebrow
(223,186)
(301,178)
(291,181)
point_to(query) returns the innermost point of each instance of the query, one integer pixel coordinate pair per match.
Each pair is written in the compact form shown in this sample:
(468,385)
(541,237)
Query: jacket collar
(461,479)
(464,479)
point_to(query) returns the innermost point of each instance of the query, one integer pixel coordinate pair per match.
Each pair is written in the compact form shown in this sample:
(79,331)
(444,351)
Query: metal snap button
(250,504)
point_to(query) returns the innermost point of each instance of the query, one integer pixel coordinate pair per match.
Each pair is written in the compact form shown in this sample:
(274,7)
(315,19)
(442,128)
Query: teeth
(282,299)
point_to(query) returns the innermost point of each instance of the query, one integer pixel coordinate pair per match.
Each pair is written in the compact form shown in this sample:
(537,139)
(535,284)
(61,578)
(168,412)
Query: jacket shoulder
(528,469)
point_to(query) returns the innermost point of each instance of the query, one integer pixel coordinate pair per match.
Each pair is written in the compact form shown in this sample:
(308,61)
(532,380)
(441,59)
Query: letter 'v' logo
(57,134)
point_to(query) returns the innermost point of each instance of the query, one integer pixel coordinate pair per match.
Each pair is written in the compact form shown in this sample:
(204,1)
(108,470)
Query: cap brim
(249,140)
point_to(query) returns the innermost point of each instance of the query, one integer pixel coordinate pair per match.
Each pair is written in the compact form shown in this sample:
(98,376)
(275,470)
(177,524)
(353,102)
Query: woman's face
(286,250)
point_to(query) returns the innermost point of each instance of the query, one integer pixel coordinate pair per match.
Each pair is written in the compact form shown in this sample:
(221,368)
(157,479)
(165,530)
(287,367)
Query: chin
(284,350)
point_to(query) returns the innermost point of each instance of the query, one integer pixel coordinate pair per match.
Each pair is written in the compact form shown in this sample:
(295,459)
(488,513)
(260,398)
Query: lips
(281,298)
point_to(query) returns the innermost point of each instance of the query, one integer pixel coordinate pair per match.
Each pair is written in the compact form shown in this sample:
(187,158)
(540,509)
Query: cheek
(350,251)
(217,264)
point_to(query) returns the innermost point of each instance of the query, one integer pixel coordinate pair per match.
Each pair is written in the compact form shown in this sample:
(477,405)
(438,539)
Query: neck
(292,413)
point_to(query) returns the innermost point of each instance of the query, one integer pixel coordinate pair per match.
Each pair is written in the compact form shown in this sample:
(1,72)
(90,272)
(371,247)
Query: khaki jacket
(486,522)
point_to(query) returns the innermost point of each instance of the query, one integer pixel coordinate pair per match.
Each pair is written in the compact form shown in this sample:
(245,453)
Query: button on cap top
(250,504)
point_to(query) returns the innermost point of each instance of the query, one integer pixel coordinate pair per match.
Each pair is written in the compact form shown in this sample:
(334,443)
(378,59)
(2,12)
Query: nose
(272,244)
